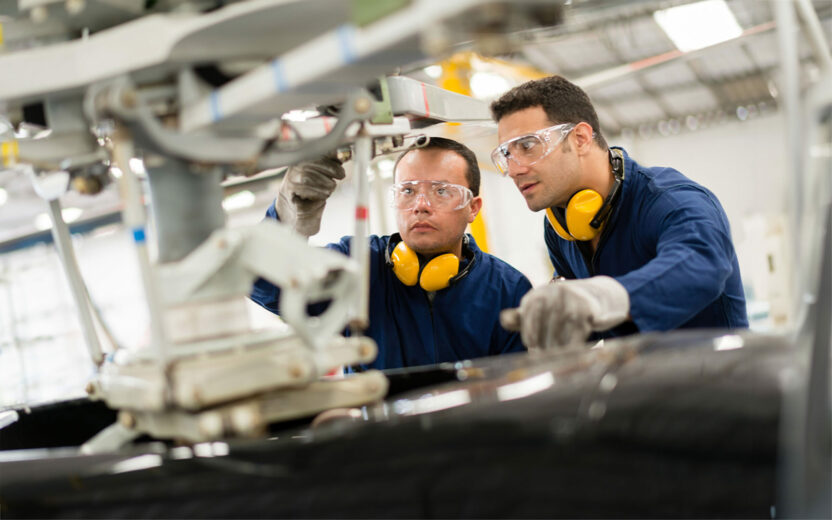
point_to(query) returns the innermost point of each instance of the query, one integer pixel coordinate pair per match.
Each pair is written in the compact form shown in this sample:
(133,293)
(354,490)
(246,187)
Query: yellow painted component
(439,271)
(1,34)
(583,206)
(405,264)
(456,77)
(9,152)
(456,74)
(480,232)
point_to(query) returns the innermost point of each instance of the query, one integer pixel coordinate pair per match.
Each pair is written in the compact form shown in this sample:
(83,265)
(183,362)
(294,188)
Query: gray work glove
(564,313)
(303,193)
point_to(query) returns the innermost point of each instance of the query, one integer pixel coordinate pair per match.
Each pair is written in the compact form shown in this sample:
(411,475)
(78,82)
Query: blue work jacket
(668,242)
(410,328)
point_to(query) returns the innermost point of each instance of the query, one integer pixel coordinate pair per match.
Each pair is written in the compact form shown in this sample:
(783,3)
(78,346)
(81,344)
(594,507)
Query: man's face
(426,229)
(550,181)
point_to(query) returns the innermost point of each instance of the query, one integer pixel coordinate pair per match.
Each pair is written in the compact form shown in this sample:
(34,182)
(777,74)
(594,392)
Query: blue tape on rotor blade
(280,83)
(346,36)
(216,114)
(138,235)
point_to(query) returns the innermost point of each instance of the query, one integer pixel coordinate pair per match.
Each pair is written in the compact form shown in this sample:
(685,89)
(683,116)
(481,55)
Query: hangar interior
(736,97)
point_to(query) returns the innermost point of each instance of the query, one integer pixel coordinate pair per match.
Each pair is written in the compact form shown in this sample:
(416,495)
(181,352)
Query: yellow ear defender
(587,210)
(435,275)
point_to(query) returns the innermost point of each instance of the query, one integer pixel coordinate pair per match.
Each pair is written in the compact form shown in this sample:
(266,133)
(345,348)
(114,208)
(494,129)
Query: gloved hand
(303,193)
(564,313)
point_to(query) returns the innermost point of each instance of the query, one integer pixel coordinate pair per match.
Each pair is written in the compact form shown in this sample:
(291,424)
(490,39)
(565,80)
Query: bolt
(126,419)
(39,14)
(90,388)
(296,370)
(362,105)
(128,98)
(75,6)
(210,424)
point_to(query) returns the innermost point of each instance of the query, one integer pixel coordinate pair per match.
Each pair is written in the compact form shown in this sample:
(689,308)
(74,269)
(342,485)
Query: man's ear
(583,136)
(476,206)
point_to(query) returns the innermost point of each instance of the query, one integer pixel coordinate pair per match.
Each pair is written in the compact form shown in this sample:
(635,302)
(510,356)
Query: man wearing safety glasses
(641,248)
(434,295)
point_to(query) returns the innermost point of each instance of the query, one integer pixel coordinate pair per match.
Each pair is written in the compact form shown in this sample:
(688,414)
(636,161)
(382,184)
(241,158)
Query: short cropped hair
(562,100)
(472,173)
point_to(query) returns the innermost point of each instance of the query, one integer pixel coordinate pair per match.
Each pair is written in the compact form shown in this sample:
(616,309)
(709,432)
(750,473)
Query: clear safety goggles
(437,194)
(526,150)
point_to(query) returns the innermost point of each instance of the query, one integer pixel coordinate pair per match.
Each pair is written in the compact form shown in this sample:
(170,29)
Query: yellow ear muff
(438,272)
(582,208)
(556,226)
(405,264)
(434,276)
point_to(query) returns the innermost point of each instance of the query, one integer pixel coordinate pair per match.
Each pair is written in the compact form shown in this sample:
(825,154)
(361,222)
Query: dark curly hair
(562,100)
(472,173)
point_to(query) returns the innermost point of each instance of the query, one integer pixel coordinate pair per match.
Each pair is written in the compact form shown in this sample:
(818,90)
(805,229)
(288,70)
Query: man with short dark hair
(641,248)
(434,295)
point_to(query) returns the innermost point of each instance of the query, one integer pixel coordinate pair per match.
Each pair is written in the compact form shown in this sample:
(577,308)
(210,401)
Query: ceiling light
(4,196)
(385,168)
(137,166)
(71,214)
(116,171)
(433,71)
(44,222)
(698,25)
(486,85)
(240,200)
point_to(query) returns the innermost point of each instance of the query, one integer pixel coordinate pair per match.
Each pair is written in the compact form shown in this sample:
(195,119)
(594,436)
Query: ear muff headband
(440,272)
(586,210)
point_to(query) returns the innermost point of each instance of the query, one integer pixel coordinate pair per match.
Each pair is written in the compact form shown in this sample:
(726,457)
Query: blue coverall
(461,322)
(667,241)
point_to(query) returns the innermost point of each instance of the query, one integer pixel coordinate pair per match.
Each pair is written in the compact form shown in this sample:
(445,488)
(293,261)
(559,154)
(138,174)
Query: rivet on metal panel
(126,419)
(362,105)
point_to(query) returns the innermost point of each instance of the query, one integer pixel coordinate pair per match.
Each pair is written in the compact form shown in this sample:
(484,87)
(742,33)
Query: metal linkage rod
(63,242)
(360,249)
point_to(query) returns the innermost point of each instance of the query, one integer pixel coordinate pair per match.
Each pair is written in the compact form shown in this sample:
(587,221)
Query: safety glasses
(437,194)
(526,150)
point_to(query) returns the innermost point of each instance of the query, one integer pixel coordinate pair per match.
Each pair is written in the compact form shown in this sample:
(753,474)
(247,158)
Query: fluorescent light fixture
(433,71)
(487,85)
(698,25)
(71,214)
(116,171)
(240,200)
(43,222)
(385,168)
(4,196)
(137,165)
